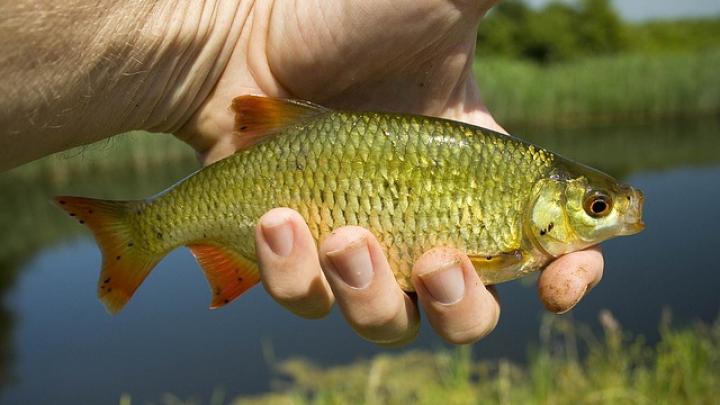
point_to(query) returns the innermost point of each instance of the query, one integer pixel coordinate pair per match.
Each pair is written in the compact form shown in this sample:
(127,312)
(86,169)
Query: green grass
(684,367)
(607,89)
(572,365)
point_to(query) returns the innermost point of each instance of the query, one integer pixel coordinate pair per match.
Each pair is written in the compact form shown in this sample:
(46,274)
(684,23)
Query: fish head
(573,211)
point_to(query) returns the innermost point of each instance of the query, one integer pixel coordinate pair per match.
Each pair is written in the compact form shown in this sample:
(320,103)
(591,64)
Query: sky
(638,10)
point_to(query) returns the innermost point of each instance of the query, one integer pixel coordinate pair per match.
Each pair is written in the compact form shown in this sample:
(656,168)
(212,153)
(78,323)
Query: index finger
(459,307)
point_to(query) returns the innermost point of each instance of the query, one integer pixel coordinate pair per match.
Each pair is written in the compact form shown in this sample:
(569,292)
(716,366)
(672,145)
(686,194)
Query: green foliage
(559,31)
(682,368)
(684,35)
(603,89)
(563,31)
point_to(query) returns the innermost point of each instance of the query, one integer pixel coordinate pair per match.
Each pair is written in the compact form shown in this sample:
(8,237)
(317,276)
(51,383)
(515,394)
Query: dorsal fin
(257,118)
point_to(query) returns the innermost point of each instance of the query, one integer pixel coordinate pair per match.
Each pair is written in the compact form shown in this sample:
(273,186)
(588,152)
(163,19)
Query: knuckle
(287,294)
(471,334)
(301,300)
(283,282)
(375,320)
(380,324)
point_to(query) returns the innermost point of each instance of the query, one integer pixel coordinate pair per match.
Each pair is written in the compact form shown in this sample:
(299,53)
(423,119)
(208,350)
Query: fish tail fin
(125,263)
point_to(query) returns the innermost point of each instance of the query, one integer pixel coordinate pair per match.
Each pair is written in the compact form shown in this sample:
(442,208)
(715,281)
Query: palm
(411,56)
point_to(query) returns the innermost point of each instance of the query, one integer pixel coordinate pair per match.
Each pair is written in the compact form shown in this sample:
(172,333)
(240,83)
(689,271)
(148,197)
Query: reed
(683,367)
(604,89)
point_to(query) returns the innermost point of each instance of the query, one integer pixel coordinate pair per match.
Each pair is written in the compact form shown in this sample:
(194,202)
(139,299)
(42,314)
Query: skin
(178,71)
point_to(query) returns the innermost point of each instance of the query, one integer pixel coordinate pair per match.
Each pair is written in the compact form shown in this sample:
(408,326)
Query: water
(57,344)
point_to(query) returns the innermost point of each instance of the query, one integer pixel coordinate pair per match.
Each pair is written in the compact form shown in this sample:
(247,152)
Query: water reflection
(66,348)
(30,224)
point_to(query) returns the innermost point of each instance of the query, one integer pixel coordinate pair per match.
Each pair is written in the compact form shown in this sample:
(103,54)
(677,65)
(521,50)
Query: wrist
(181,52)
(77,74)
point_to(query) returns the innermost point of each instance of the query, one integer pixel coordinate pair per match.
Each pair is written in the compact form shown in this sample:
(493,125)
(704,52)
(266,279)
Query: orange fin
(228,273)
(125,264)
(258,118)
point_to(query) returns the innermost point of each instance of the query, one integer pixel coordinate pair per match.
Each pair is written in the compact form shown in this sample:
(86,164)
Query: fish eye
(597,204)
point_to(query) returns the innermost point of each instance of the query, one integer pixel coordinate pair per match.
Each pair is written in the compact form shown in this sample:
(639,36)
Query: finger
(289,265)
(459,307)
(566,280)
(365,287)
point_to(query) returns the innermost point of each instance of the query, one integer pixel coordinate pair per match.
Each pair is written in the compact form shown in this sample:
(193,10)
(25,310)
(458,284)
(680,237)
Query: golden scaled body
(415,182)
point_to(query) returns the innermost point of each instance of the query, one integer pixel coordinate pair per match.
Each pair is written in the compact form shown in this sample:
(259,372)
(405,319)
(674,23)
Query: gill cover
(548,223)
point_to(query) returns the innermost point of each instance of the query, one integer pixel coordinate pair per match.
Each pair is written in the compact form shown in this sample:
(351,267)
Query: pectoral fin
(496,263)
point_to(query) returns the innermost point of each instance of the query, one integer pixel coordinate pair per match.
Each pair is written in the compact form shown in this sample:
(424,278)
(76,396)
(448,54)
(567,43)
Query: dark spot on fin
(228,272)
(109,223)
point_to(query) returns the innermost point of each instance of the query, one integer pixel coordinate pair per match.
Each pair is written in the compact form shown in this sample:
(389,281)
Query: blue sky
(654,9)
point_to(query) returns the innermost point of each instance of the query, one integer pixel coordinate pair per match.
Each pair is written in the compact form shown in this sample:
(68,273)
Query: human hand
(411,56)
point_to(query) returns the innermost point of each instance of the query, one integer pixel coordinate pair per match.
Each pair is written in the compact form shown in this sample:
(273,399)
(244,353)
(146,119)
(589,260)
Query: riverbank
(614,368)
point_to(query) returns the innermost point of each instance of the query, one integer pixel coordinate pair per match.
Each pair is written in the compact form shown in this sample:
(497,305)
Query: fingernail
(353,263)
(278,234)
(446,284)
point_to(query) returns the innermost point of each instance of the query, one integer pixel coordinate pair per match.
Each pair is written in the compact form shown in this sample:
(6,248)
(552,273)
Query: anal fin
(228,273)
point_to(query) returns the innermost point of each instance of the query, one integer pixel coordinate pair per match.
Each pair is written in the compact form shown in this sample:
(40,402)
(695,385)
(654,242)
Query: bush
(562,31)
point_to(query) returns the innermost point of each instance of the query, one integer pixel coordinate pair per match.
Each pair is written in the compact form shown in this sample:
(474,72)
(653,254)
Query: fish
(416,182)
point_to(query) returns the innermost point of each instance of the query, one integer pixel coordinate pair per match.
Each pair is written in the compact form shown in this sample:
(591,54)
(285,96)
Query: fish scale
(331,170)
(415,182)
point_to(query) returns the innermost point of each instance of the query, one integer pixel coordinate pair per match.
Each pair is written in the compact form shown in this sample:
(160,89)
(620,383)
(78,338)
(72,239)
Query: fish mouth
(633,219)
